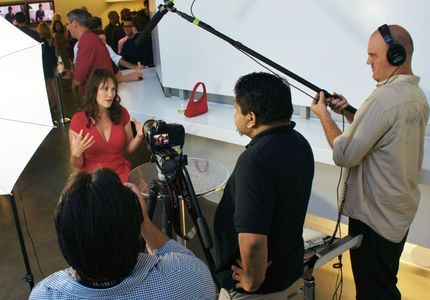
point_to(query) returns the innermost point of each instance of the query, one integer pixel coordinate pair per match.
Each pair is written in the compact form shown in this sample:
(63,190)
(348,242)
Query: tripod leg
(29,276)
(166,215)
(203,232)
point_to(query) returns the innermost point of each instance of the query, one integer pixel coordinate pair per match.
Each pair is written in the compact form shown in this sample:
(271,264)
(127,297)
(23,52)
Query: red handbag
(197,107)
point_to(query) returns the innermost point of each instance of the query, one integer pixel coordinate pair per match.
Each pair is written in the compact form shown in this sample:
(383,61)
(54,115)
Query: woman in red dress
(101,132)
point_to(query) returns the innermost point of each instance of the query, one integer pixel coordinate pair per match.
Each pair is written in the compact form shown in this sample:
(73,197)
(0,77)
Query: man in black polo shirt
(259,221)
(141,52)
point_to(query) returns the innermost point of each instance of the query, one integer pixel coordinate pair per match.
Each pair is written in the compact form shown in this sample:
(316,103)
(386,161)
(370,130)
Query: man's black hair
(266,95)
(128,18)
(98,223)
(139,22)
(95,22)
(20,17)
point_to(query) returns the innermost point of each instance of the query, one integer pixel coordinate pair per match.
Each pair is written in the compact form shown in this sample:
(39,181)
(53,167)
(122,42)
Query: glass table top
(206,175)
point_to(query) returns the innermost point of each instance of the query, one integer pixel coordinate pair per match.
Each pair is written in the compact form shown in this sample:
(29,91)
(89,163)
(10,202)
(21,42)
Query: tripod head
(168,162)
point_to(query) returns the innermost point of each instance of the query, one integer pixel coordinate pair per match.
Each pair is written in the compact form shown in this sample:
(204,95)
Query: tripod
(174,184)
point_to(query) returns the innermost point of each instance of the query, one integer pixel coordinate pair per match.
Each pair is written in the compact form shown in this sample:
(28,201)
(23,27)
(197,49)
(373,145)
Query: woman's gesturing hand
(80,143)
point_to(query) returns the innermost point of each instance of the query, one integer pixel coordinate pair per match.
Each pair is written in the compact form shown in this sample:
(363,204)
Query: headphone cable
(389,77)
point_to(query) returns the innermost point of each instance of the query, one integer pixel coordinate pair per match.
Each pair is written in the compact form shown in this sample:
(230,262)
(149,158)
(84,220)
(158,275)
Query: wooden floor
(413,281)
(37,193)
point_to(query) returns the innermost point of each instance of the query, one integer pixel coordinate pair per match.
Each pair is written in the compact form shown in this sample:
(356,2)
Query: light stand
(28,276)
(63,120)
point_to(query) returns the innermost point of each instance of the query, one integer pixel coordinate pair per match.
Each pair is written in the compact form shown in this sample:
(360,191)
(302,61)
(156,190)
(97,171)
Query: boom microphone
(162,10)
(238,45)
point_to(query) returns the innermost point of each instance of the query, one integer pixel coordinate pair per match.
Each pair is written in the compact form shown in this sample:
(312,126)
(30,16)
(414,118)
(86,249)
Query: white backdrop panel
(324,42)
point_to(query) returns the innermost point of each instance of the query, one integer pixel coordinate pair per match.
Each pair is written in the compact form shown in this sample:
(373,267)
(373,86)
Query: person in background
(144,15)
(49,63)
(92,53)
(125,12)
(21,24)
(40,14)
(147,10)
(142,52)
(62,50)
(61,45)
(10,16)
(101,131)
(120,62)
(259,221)
(114,31)
(57,17)
(95,23)
(382,151)
(99,224)
(127,25)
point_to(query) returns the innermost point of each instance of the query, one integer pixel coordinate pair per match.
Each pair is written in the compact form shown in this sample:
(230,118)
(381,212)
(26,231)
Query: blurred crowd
(71,41)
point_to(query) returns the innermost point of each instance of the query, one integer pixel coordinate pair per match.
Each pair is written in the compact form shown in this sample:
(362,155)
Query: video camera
(160,135)
(165,141)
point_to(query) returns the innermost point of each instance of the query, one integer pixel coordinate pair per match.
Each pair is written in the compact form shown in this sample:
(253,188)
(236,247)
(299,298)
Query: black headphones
(396,53)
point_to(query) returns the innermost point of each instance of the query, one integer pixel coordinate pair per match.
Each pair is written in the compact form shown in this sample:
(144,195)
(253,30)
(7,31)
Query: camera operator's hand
(338,103)
(142,201)
(153,236)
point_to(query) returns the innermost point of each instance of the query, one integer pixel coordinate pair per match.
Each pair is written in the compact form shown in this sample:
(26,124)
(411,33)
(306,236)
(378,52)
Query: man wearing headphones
(382,150)
(100,223)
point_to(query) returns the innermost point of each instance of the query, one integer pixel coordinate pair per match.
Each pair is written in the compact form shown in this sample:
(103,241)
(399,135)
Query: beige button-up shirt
(383,151)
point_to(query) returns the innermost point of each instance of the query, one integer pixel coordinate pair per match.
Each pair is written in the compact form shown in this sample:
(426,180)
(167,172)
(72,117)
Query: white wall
(324,42)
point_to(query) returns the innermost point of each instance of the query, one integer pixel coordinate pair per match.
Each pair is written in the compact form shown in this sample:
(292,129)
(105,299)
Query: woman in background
(62,50)
(57,17)
(101,132)
(61,47)
(49,63)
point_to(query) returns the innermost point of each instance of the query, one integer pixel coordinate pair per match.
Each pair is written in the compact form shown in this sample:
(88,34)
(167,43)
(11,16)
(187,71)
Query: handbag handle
(193,93)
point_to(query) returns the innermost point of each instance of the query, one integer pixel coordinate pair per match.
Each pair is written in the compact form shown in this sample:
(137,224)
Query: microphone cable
(337,295)
(274,73)
(191,9)
(391,75)
(258,62)
(340,203)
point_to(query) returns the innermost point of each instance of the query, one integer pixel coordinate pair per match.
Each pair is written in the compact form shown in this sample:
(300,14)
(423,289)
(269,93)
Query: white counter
(145,99)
